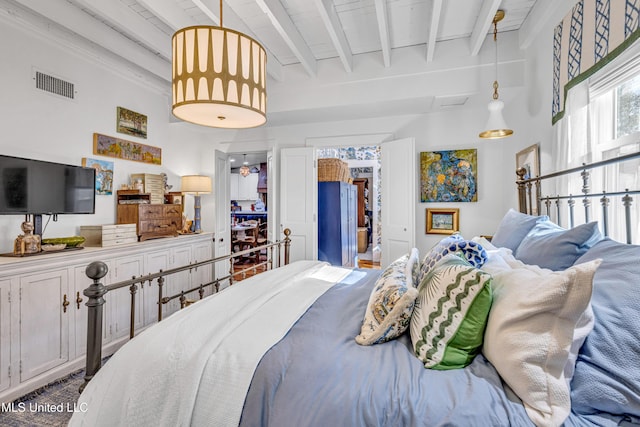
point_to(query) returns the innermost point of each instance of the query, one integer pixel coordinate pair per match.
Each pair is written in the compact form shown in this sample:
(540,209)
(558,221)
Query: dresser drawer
(162,226)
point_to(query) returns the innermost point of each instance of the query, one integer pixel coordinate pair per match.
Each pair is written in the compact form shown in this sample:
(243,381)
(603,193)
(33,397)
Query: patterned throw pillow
(472,252)
(413,267)
(390,305)
(450,314)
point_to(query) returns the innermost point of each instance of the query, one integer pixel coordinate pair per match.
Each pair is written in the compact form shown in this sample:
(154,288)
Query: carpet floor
(51,405)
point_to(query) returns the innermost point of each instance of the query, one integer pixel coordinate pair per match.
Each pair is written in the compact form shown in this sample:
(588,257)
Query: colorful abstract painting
(110,146)
(449,176)
(104,175)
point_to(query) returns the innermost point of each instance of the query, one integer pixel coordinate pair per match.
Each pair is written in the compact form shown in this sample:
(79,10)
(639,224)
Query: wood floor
(239,275)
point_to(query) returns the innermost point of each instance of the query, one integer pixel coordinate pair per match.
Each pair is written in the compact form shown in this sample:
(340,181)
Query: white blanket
(195,367)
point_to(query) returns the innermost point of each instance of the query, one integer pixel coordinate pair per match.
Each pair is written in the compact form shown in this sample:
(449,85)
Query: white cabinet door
(44,324)
(119,301)
(153,263)
(5,333)
(203,275)
(180,281)
(248,187)
(234,180)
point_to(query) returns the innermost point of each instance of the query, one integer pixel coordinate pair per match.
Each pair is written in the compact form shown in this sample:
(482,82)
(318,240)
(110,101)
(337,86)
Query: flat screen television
(36,187)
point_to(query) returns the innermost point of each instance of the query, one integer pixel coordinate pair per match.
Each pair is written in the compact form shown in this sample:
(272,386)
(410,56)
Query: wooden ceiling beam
(383,29)
(334,28)
(482,25)
(286,28)
(434,22)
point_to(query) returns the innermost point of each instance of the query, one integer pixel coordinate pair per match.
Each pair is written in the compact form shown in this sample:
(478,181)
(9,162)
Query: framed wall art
(104,174)
(131,123)
(529,160)
(449,176)
(110,146)
(442,221)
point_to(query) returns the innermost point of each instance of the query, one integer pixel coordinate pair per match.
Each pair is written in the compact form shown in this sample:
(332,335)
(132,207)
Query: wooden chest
(109,235)
(152,221)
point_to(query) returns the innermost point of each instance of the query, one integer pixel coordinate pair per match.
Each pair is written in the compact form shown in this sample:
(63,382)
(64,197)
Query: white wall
(43,126)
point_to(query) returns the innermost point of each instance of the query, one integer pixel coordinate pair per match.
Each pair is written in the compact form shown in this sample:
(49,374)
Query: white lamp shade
(218,78)
(496,127)
(196,184)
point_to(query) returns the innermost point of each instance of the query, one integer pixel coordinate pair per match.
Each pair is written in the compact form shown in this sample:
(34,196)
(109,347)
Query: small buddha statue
(30,241)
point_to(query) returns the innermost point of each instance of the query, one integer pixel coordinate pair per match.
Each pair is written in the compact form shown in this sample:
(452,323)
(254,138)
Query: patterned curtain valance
(592,34)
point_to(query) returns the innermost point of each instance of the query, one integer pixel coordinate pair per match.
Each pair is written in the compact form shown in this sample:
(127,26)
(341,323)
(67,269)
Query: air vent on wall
(54,85)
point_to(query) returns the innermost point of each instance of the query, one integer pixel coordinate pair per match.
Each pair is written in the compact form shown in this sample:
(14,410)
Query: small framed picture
(528,159)
(442,221)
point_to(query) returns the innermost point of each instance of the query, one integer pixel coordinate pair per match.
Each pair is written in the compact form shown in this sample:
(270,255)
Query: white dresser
(43,319)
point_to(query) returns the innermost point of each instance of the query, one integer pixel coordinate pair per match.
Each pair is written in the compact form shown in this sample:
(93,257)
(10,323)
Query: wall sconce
(196,185)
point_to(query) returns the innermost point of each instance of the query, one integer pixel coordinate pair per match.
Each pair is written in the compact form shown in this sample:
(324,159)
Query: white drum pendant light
(496,126)
(218,77)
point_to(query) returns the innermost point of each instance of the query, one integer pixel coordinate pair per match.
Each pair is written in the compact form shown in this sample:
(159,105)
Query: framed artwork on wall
(449,176)
(104,174)
(131,123)
(110,146)
(529,160)
(442,221)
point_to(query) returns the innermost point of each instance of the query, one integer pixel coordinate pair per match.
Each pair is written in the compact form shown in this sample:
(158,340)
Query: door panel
(298,200)
(398,199)
(222,246)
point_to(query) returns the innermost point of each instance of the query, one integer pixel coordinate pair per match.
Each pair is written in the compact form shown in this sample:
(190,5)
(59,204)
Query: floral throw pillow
(390,305)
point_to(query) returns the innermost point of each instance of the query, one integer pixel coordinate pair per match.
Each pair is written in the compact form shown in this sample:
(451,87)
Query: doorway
(249,209)
(364,166)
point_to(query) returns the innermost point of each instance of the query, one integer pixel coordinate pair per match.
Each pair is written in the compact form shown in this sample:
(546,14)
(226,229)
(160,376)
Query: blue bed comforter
(319,376)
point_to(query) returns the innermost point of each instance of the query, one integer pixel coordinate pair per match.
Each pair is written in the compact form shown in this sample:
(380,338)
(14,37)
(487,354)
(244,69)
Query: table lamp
(196,185)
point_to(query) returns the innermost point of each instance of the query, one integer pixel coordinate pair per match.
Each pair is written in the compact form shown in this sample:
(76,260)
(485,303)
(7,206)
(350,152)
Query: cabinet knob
(65,303)
(78,300)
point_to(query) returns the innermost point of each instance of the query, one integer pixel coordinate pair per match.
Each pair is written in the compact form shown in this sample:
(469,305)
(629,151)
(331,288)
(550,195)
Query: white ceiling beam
(81,23)
(481,28)
(168,12)
(436,11)
(383,29)
(334,28)
(286,28)
(123,17)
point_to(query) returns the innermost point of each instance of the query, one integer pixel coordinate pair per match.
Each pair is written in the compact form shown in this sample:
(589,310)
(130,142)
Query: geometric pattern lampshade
(218,78)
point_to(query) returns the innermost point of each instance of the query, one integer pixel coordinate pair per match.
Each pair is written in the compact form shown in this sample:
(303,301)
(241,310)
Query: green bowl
(71,242)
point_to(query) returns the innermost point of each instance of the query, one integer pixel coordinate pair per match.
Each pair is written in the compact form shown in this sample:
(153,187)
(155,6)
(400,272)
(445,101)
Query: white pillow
(413,267)
(530,332)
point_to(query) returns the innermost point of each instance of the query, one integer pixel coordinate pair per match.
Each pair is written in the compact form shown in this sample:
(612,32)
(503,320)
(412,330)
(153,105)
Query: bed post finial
(522,191)
(95,271)
(287,244)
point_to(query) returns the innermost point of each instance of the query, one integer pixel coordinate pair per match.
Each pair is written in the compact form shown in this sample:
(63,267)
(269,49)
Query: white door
(397,198)
(298,200)
(222,175)
(273,232)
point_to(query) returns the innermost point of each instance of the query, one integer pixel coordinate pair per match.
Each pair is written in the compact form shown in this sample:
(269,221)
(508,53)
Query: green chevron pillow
(450,314)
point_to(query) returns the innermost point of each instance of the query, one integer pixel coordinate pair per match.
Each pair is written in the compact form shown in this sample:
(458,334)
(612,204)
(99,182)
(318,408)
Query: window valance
(592,34)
